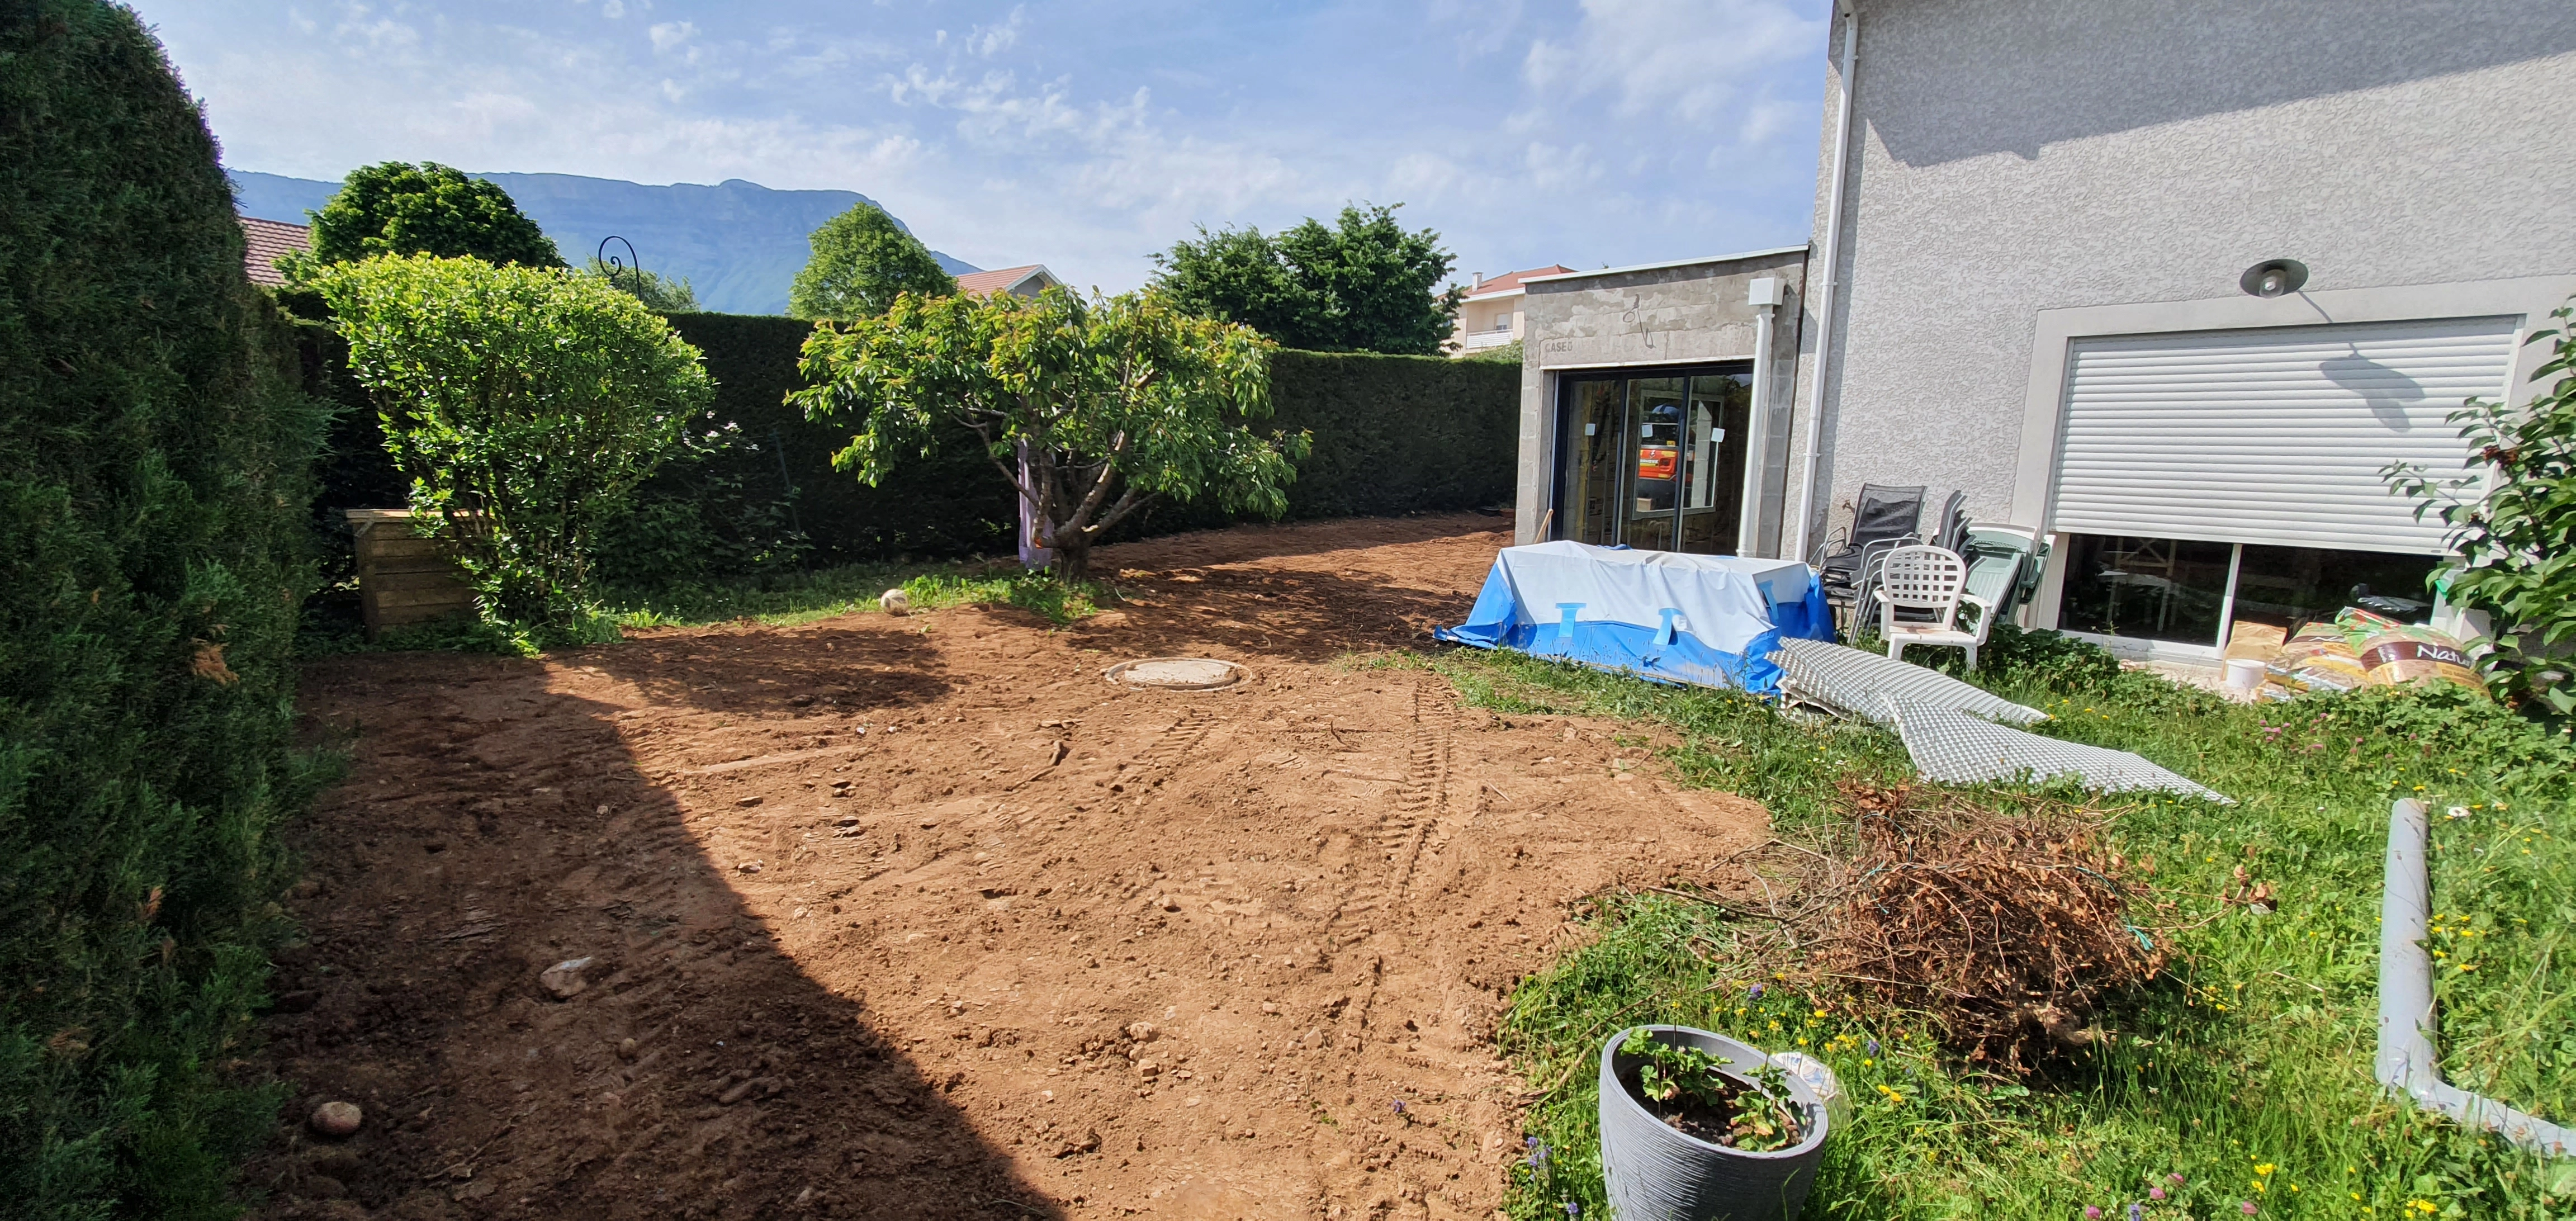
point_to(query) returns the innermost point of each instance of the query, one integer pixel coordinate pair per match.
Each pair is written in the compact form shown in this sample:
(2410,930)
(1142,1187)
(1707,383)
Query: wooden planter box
(404,577)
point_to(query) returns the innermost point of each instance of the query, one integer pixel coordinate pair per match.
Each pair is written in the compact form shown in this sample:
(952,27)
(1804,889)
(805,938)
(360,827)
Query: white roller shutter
(2270,436)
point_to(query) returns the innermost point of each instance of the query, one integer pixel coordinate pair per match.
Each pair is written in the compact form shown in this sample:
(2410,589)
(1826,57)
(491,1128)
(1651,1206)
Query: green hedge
(154,469)
(1393,435)
(771,499)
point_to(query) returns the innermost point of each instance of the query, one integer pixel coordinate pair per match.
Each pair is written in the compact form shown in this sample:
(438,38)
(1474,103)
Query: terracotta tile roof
(986,283)
(1505,283)
(270,241)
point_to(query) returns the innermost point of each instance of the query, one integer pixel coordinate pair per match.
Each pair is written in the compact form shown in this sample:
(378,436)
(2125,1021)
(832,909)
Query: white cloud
(989,40)
(669,34)
(1619,131)
(1672,59)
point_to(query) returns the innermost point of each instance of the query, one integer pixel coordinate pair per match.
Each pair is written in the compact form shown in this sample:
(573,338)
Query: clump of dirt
(2011,929)
(922,917)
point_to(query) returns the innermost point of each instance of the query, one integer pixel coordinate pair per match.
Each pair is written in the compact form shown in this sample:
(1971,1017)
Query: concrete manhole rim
(1233,674)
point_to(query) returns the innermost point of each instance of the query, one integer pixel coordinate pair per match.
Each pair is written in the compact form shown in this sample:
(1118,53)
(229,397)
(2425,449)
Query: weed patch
(2240,1077)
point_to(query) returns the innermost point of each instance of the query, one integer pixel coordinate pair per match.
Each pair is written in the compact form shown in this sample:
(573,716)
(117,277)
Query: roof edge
(1800,248)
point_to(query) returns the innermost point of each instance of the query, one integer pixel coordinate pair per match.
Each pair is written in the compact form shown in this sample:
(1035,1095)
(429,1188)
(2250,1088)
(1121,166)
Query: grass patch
(2246,1071)
(782,600)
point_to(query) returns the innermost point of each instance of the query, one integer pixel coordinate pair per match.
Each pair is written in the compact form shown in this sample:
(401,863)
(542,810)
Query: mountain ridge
(738,243)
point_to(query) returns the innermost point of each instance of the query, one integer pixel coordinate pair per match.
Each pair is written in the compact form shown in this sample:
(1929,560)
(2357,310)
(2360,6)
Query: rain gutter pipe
(2407,1062)
(1833,253)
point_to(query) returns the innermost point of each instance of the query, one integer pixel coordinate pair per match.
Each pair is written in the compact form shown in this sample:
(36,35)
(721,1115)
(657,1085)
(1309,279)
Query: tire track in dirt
(1416,813)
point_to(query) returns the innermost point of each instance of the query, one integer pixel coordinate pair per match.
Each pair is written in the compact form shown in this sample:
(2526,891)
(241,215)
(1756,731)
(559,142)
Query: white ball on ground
(895,602)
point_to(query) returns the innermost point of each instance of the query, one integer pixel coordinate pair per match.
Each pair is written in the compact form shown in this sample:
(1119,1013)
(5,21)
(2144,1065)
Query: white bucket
(2244,674)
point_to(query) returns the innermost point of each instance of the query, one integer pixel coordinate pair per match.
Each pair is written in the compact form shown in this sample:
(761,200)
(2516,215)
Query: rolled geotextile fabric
(1655,1173)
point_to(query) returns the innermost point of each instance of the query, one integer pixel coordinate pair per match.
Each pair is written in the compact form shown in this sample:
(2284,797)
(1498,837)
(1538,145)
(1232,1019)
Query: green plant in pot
(1696,1126)
(1691,1091)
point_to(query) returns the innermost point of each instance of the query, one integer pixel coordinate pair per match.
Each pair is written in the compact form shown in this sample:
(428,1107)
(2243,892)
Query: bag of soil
(2319,658)
(2395,653)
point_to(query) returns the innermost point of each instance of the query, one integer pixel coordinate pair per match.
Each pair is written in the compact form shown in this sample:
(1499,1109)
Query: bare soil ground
(920,917)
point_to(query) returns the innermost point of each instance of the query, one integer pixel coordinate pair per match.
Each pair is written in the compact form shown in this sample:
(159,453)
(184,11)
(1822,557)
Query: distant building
(1491,315)
(270,241)
(1026,281)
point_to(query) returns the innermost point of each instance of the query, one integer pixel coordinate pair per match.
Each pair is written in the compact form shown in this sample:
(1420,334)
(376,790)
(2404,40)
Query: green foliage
(1393,435)
(1071,401)
(764,502)
(1363,285)
(659,293)
(1680,1077)
(2514,526)
(398,208)
(1039,593)
(862,261)
(2249,1063)
(1512,354)
(524,404)
(154,463)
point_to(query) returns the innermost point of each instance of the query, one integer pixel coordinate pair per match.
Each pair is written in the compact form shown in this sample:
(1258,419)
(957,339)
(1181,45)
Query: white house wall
(2018,156)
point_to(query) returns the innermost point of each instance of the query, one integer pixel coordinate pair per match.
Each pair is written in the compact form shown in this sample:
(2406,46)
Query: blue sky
(1083,134)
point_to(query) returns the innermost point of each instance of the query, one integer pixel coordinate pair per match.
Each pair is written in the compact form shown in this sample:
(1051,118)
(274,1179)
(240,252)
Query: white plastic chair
(1928,579)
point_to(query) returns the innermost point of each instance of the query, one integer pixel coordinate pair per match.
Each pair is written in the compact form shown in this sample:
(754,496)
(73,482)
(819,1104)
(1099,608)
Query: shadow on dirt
(769,672)
(490,829)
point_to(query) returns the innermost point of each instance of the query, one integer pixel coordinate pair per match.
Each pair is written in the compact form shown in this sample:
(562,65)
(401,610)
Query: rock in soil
(563,980)
(337,1120)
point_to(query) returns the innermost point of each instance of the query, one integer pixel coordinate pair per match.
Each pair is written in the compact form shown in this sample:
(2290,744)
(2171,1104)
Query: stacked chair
(1946,588)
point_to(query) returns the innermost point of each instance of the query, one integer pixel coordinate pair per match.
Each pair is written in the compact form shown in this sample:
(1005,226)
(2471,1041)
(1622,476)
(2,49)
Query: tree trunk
(1072,559)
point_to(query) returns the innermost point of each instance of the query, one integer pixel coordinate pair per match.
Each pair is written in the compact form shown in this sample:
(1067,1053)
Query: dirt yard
(920,917)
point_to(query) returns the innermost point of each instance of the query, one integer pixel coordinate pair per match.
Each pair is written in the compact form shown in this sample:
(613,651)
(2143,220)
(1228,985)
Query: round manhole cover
(1177,673)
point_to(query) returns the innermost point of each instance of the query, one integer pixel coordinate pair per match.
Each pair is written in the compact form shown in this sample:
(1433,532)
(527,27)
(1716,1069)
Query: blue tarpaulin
(1707,620)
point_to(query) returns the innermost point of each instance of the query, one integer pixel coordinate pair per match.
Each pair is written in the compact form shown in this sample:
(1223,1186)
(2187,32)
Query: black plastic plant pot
(1655,1173)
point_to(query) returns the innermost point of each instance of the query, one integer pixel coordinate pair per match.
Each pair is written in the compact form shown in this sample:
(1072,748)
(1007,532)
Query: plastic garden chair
(1925,578)
(1883,518)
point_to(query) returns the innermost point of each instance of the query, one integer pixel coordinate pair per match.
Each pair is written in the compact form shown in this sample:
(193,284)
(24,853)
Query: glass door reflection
(1655,462)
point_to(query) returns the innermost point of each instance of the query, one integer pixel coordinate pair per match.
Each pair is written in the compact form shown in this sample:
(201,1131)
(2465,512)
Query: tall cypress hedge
(1393,435)
(154,468)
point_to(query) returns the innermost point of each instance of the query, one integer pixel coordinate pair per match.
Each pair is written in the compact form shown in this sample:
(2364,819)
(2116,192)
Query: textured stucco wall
(2013,156)
(1693,314)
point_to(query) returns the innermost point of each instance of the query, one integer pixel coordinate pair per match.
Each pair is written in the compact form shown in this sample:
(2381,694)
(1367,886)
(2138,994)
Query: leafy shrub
(524,404)
(1092,408)
(863,259)
(2516,532)
(401,209)
(154,467)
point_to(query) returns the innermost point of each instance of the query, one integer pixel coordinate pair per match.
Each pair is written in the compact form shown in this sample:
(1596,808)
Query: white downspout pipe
(2406,1061)
(1765,298)
(1825,299)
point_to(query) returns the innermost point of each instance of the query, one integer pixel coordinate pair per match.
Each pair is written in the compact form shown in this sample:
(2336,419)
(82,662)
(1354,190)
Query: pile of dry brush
(2010,930)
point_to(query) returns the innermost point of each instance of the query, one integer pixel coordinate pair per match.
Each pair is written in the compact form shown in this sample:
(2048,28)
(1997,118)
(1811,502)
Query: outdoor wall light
(2273,278)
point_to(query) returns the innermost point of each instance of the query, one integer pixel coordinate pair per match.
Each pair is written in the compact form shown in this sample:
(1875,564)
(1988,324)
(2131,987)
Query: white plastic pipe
(1833,253)
(2407,1062)
(1757,435)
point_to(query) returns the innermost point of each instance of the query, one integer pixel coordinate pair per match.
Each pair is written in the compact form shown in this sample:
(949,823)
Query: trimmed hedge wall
(155,461)
(744,509)
(1393,435)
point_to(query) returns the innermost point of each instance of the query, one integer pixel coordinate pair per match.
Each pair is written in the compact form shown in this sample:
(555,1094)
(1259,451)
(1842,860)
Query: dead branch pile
(2010,929)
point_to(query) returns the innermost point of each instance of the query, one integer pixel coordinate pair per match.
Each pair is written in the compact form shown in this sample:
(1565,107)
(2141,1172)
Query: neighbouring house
(267,241)
(2170,284)
(1026,281)
(1490,315)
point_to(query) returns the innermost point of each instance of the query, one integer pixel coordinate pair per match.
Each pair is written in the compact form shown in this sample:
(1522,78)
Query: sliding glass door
(1654,462)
